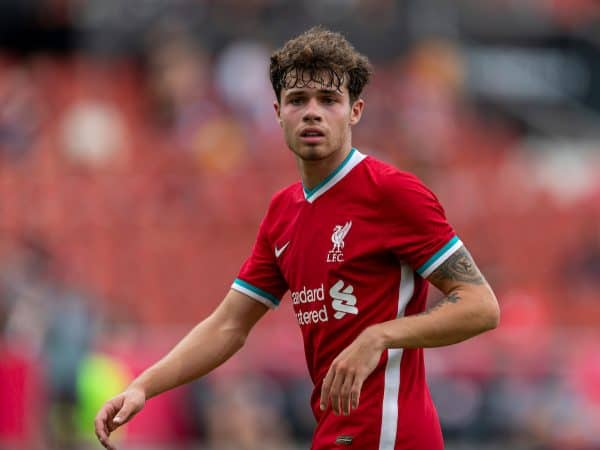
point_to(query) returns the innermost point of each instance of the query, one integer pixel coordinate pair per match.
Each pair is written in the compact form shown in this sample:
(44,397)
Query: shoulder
(402,195)
(394,182)
(285,198)
(290,194)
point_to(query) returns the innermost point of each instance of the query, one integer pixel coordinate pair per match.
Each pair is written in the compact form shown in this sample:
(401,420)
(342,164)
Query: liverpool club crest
(336,254)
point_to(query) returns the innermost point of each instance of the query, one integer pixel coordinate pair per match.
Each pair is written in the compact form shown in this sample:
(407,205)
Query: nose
(312,112)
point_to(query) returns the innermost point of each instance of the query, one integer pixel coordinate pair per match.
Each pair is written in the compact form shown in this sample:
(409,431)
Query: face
(317,119)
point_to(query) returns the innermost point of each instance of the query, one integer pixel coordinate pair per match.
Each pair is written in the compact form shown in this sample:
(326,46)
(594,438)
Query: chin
(313,155)
(312,152)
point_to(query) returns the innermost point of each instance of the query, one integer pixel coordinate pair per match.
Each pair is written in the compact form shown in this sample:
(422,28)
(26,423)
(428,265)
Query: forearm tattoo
(453,297)
(458,267)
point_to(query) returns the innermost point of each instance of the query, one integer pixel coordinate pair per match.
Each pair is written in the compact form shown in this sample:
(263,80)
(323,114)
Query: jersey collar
(353,158)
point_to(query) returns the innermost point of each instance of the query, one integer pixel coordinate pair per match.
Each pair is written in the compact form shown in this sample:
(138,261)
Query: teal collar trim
(353,158)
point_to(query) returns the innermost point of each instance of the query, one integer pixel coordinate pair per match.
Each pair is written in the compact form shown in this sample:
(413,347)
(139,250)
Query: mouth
(312,135)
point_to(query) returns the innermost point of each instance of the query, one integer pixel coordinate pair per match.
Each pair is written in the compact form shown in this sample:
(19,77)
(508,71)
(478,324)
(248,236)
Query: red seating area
(159,231)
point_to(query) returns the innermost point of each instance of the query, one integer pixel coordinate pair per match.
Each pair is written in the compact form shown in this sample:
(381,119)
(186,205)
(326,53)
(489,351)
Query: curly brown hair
(321,56)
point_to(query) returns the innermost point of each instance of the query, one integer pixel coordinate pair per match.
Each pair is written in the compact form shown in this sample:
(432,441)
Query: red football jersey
(355,251)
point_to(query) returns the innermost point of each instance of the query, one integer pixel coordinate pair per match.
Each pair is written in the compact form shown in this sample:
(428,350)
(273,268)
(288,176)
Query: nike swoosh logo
(279,251)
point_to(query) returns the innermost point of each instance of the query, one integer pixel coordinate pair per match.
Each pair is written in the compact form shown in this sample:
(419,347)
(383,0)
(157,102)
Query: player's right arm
(208,345)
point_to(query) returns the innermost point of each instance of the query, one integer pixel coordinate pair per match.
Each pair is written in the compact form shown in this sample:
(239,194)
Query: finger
(355,391)
(326,387)
(109,445)
(102,420)
(103,436)
(100,423)
(335,390)
(345,397)
(99,428)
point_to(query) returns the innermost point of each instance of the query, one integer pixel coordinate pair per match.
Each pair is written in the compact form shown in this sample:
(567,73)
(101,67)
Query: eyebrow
(297,91)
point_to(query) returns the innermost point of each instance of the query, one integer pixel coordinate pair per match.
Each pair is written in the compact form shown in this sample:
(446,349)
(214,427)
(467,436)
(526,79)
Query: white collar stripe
(351,161)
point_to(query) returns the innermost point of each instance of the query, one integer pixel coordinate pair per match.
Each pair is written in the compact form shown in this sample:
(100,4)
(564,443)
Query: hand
(116,412)
(344,380)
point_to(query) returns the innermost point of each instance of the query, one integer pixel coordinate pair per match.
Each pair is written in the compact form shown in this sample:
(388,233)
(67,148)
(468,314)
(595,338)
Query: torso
(331,247)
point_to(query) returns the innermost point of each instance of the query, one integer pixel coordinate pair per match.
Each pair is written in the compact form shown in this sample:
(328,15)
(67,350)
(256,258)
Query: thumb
(124,413)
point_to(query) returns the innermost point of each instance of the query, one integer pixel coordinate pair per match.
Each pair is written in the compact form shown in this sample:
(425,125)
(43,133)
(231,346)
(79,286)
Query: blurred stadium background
(138,152)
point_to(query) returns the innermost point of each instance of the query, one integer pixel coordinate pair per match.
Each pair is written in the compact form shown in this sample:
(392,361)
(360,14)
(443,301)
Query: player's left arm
(468,309)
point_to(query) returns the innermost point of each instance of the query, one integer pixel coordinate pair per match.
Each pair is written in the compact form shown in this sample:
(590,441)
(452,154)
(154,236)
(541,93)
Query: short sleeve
(260,277)
(418,231)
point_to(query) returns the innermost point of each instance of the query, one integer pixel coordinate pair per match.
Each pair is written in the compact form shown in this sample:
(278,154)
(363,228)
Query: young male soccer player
(356,242)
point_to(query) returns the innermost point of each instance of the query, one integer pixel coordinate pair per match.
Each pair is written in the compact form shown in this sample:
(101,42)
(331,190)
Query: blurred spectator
(181,90)
(581,266)
(24,290)
(582,380)
(28,292)
(243,84)
(67,341)
(253,409)
(51,324)
(93,133)
(429,97)
(98,377)
(21,112)
(22,416)
(219,145)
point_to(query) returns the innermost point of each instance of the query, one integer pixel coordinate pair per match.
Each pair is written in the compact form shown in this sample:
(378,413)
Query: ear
(356,111)
(277,112)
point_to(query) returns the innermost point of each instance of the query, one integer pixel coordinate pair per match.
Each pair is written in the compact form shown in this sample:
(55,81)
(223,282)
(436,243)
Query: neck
(314,172)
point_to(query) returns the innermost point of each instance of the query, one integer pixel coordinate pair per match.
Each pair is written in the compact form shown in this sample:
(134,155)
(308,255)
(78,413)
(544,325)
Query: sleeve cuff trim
(257,294)
(439,257)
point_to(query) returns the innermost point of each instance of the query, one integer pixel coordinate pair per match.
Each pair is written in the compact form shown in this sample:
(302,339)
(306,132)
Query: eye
(329,100)
(296,101)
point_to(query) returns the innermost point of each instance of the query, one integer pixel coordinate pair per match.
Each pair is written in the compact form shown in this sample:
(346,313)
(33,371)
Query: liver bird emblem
(339,233)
